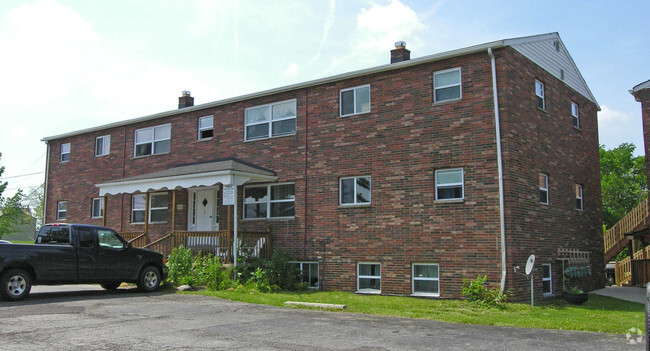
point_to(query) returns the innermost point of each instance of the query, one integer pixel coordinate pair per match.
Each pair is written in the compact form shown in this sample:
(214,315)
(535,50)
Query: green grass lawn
(599,314)
(22,241)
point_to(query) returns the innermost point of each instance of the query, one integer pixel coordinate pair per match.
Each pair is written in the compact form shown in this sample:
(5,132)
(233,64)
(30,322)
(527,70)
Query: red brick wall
(536,141)
(400,143)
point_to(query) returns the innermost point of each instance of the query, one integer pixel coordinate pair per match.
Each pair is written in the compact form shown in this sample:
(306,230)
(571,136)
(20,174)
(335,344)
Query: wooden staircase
(632,227)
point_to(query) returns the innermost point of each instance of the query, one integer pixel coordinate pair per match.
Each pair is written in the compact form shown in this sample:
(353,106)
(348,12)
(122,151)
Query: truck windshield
(108,238)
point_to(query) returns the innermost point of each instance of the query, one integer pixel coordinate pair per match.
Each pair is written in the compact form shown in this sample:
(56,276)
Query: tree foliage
(11,209)
(623,182)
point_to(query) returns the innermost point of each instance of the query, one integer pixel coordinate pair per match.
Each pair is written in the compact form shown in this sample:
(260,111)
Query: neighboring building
(384,180)
(641,93)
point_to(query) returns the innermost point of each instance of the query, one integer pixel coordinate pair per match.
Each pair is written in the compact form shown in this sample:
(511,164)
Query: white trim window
(369,277)
(354,101)
(540,100)
(579,204)
(61,210)
(575,114)
(543,189)
(138,208)
(97,209)
(450,184)
(272,120)
(426,279)
(206,124)
(355,190)
(103,145)
(153,140)
(65,152)
(308,273)
(447,85)
(269,201)
(158,208)
(547,279)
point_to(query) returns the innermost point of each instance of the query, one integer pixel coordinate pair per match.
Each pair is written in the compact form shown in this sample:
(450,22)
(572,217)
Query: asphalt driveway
(86,317)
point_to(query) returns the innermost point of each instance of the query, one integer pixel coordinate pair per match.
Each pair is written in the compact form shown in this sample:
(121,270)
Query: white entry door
(206,210)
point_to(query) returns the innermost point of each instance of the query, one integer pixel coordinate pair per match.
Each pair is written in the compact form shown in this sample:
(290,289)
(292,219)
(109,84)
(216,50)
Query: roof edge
(347,75)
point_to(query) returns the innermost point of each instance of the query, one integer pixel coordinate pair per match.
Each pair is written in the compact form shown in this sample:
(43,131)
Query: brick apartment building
(384,180)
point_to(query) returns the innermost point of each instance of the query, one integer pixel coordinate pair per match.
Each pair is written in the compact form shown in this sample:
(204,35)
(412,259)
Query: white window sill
(577,128)
(450,201)
(102,155)
(143,156)
(354,114)
(204,139)
(355,205)
(368,292)
(267,218)
(435,103)
(420,294)
(267,138)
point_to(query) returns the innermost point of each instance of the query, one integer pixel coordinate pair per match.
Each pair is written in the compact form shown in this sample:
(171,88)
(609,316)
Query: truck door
(114,260)
(87,255)
(58,262)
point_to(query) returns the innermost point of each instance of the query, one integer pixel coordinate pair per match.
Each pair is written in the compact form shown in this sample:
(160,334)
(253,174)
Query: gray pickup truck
(77,254)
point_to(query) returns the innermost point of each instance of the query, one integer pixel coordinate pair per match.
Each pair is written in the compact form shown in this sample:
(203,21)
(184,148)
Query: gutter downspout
(497,126)
(45,187)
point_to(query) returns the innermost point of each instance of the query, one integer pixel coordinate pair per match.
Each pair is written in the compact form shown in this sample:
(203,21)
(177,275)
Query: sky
(67,65)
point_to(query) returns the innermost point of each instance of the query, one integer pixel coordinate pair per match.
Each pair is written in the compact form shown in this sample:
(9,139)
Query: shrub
(199,270)
(180,265)
(283,273)
(476,292)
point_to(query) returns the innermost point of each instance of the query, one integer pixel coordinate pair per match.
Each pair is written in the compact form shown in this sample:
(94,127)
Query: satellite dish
(529,264)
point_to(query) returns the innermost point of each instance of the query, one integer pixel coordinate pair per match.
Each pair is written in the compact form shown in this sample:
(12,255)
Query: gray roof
(224,165)
(639,87)
(517,43)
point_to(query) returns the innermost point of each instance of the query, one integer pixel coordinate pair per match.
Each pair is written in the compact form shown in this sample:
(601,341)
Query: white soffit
(541,49)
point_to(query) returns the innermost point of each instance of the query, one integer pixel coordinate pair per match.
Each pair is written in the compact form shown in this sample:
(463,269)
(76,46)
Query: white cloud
(609,117)
(381,26)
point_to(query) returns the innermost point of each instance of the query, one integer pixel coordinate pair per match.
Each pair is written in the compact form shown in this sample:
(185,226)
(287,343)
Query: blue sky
(73,64)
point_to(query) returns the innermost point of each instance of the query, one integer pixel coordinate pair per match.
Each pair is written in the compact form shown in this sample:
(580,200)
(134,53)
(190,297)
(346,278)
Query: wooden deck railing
(626,225)
(623,271)
(128,236)
(217,243)
(140,241)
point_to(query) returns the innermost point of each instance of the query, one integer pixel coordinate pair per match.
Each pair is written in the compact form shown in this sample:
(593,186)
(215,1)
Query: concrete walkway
(633,294)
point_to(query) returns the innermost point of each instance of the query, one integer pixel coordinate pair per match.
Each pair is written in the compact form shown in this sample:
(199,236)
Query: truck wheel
(16,284)
(149,279)
(111,286)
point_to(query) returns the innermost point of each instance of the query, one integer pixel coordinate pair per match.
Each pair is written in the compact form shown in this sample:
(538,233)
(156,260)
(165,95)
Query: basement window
(447,85)
(369,278)
(308,273)
(426,279)
(547,280)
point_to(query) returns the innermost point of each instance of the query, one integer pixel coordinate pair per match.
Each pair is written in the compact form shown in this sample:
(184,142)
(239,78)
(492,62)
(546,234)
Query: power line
(21,175)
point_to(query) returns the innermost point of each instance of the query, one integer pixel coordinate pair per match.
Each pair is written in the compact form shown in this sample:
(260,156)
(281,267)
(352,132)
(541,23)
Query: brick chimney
(641,93)
(400,53)
(186,100)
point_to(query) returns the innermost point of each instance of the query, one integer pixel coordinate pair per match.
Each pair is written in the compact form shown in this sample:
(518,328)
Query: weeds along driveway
(128,320)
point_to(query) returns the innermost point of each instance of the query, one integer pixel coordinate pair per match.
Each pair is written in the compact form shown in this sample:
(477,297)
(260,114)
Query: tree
(623,182)
(11,209)
(34,201)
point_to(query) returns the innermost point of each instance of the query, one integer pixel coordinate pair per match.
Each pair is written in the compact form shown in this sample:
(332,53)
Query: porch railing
(128,236)
(217,243)
(140,241)
(626,225)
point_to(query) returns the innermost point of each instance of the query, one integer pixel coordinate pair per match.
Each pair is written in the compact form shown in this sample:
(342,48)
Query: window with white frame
(543,189)
(450,184)
(138,208)
(206,127)
(61,210)
(579,197)
(270,120)
(97,210)
(369,278)
(153,140)
(269,201)
(308,273)
(103,145)
(355,100)
(426,280)
(65,152)
(575,114)
(158,208)
(355,190)
(547,279)
(539,95)
(447,85)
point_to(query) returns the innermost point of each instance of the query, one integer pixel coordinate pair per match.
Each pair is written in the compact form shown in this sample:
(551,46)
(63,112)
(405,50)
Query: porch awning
(226,172)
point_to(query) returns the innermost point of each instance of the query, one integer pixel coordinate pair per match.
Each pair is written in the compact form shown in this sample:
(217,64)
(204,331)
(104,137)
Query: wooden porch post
(104,209)
(173,211)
